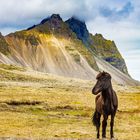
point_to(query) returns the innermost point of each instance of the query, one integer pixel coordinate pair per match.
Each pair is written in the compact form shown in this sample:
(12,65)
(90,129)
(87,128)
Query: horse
(106,104)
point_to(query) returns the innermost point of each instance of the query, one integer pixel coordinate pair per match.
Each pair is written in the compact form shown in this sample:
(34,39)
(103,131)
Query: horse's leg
(104,124)
(111,125)
(98,126)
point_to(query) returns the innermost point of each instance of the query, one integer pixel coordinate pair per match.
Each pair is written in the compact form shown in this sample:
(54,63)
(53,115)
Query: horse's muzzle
(94,91)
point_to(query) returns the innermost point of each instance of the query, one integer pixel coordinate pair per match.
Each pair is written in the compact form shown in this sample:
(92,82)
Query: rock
(80,29)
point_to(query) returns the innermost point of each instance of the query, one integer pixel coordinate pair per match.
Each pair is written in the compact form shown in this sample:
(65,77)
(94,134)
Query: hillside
(64,49)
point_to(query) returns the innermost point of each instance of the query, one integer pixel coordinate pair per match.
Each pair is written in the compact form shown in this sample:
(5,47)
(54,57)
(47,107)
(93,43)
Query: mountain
(64,48)
(80,29)
(106,49)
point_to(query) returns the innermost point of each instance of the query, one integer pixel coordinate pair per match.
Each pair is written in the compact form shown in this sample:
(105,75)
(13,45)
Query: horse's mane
(105,78)
(103,75)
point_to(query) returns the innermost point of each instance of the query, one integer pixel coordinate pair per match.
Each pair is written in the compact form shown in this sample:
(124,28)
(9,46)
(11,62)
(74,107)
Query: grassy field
(40,106)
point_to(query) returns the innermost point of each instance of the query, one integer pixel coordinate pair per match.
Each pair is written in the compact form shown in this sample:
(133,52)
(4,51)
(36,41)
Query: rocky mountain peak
(54,20)
(53,17)
(80,29)
(77,20)
(56,16)
(99,35)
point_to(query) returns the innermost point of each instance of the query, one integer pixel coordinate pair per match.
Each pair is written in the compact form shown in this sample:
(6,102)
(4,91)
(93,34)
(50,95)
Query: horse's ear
(103,72)
(108,75)
(100,72)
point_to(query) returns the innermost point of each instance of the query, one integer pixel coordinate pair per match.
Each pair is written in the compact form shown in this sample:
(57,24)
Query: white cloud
(23,12)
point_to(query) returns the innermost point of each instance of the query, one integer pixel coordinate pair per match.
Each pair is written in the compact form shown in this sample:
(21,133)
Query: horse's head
(103,82)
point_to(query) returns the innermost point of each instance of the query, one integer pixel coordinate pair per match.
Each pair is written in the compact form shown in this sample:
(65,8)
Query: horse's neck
(108,94)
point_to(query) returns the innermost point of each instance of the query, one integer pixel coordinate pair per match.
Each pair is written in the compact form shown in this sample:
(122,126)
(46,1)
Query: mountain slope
(102,47)
(3,45)
(107,50)
(54,47)
(50,56)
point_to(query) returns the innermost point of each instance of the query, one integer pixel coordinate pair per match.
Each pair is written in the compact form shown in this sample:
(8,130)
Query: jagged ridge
(62,48)
(106,49)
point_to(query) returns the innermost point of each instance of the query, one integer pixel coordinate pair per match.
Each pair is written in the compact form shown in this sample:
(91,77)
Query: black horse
(106,103)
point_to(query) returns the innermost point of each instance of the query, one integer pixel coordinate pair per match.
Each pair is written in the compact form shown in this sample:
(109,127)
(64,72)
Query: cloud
(27,12)
(117,14)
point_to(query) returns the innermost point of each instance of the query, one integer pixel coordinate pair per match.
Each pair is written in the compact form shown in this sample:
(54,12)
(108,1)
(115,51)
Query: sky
(116,20)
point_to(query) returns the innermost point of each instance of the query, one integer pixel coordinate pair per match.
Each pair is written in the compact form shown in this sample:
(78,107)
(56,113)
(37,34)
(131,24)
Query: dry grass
(61,113)
(62,108)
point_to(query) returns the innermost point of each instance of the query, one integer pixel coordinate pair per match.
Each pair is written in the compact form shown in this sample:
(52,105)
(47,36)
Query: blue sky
(116,19)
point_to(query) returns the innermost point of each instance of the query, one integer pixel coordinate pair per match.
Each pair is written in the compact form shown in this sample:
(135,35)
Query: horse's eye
(100,80)
(104,79)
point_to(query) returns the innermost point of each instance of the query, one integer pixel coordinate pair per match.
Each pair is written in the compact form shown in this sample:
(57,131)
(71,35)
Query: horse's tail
(96,118)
